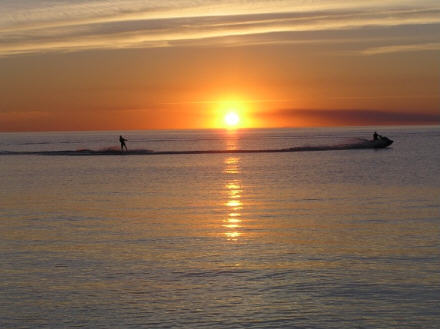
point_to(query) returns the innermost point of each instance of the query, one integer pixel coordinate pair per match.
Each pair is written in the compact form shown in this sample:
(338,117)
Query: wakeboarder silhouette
(122,140)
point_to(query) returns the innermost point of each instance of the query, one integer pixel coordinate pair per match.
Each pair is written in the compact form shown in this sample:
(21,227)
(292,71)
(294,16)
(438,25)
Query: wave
(353,145)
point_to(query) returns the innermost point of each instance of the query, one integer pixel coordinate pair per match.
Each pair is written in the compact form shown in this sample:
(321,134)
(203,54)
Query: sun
(231,113)
(232,119)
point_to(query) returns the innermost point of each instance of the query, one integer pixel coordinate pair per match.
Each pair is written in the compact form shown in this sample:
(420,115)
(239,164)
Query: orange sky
(279,64)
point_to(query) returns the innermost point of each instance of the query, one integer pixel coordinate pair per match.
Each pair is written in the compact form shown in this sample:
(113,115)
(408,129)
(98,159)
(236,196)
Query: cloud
(42,26)
(357,117)
(402,48)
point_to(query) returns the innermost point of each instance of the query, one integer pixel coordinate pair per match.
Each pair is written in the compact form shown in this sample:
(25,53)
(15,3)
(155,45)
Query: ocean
(321,237)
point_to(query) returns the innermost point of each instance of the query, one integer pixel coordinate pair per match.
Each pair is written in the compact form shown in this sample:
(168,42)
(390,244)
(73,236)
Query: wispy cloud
(402,48)
(42,26)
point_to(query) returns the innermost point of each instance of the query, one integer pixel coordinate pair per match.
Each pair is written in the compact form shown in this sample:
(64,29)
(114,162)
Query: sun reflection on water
(233,204)
(233,235)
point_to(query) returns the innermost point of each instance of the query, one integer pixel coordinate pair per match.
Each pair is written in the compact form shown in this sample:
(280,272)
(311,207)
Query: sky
(185,64)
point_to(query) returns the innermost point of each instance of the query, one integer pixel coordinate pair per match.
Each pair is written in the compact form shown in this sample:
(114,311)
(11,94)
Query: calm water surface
(333,239)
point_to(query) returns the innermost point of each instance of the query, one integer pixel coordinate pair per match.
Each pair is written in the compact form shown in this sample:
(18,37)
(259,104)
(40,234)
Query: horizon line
(227,129)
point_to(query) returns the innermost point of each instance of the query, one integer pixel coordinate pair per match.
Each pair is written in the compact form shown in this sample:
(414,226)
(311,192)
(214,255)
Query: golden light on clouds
(73,26)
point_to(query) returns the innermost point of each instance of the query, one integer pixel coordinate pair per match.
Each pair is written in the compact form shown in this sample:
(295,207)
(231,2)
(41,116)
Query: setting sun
(232,112)
(232,119)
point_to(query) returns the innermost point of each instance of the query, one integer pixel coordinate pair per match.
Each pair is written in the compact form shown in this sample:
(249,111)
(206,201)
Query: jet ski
(381,142)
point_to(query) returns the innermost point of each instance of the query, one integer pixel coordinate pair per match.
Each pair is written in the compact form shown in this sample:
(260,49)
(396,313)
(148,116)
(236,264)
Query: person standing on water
(122,140)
